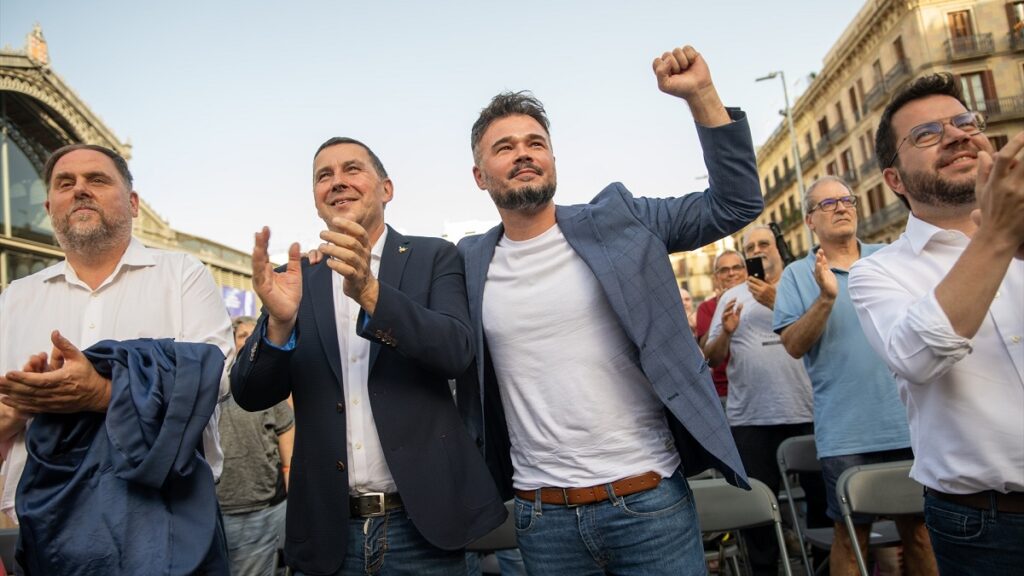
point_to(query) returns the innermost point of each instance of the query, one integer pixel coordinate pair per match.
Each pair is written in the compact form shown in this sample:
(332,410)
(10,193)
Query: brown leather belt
(372,504)
(581,496)
(1011,503)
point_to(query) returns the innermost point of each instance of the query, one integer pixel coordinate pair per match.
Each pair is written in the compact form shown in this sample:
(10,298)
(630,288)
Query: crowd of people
(158,437)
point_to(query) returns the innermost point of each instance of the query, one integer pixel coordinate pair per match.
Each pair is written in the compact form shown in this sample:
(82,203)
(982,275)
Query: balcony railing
(897,74)
(972,46)
(875,97)
(850,177)
(824,145)
(1016,40)
(893,213)
(780,185)
(791,220)
(1003,109)
(808,160)
(869,166)
(837,132)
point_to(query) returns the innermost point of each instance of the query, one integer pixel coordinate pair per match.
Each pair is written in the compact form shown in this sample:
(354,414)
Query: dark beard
(526,198)
(930,189)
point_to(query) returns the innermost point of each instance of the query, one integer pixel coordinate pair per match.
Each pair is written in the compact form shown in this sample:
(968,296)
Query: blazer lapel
(397,251)
(321,290)
(477,261)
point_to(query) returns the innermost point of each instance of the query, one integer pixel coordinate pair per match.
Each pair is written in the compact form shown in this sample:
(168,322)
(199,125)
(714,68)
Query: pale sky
(225,102)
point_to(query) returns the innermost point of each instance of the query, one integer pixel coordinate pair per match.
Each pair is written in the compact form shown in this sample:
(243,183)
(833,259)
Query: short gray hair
(714,265)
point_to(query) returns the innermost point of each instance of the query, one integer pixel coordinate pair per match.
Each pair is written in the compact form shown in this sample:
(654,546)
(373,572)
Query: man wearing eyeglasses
(858,418)
(729,271)
(769,392)
(943,306)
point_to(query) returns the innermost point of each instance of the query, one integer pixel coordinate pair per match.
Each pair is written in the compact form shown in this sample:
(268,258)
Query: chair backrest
(501,538)
(798,454)
(722,506)
(8,541)
(880,489)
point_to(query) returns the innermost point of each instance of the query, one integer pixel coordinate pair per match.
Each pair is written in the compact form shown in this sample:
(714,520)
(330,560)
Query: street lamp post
(796,148)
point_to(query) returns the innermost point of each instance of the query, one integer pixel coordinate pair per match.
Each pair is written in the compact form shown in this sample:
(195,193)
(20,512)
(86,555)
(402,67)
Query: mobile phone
(755,267)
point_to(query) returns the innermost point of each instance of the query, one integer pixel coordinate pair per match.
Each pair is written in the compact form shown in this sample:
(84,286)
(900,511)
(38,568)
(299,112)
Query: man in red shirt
(729,270)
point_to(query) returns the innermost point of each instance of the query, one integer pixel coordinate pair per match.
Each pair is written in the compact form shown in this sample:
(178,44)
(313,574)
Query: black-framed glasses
(930,133)
(831,204)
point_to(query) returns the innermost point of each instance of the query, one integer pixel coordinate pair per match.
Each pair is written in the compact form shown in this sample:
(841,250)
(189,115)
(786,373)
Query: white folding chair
(884,489)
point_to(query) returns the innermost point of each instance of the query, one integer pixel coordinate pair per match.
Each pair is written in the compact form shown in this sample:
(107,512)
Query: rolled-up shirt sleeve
(911,332)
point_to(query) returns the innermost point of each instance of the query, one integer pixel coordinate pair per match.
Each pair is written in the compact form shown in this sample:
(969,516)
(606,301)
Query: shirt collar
(919,233)
(135,255)
(378,246)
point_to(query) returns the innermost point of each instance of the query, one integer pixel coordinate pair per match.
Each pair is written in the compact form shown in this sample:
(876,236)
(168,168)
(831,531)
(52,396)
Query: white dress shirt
(368,471)
(150,294)
(964,397)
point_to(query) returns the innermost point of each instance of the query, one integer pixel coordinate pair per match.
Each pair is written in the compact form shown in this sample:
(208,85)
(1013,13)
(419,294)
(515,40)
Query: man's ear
(133,201)
(389,190)
(479,177)
(894,181)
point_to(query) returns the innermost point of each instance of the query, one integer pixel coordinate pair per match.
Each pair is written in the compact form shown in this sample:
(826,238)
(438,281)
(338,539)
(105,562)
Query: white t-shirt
(150,294)
(579,408)
(766,385)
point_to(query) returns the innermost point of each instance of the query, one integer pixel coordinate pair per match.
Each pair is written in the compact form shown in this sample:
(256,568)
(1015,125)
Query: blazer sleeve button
(340,465)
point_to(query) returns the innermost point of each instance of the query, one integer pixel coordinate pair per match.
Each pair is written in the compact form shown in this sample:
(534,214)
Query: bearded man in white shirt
(110,287)
(942,305)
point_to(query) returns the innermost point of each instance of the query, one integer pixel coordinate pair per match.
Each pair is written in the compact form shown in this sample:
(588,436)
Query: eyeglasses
(831,204)
(930,133)
(728,269)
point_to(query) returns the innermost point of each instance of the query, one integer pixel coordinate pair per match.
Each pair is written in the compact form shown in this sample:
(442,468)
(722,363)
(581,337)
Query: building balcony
(1003,109)
(875,97)
(1016,41)
(868,167)
(967,47)
(893,213)
(791,220)
(824,145)
(850,177)
(837,132)
(781,185)
(896,75)
(808,160)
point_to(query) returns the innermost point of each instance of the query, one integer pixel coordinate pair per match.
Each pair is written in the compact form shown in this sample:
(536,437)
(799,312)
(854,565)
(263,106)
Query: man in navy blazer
(384,477)
(605,399)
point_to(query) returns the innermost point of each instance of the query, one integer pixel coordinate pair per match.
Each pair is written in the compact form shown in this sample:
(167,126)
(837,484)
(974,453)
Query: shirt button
(359,445)
(354,359)
(355,401)
(340,406)
(997,294)
(1016,339)
(340,465)
(92,325)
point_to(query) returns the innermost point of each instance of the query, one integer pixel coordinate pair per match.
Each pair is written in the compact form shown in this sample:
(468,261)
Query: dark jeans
(757,446)
(969,541)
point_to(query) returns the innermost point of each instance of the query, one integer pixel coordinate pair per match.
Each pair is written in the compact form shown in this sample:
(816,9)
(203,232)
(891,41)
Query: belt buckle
(565,498)
(380,503)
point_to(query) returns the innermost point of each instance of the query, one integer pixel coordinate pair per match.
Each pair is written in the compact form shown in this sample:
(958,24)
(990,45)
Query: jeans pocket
(667,497)
(954,522)
(523,516)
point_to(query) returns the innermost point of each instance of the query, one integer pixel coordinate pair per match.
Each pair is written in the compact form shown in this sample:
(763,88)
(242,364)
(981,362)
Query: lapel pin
(402,249)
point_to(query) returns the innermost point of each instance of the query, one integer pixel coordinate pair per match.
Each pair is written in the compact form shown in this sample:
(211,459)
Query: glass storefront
(28,196)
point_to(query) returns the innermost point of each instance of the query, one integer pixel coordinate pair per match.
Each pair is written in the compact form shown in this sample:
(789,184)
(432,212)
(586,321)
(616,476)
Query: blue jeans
(968,541)
(390,545)
(652,532)
(252,540)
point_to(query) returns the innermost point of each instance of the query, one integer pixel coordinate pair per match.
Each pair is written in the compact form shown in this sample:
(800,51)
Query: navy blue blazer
(626,241)
(127,492)
(420,337)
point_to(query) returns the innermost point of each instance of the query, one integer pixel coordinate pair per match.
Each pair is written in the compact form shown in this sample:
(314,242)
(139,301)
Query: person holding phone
(769,391)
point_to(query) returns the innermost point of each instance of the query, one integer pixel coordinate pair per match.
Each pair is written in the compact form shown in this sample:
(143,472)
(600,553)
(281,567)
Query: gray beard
(526,198)
(98,239)
(930,189)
